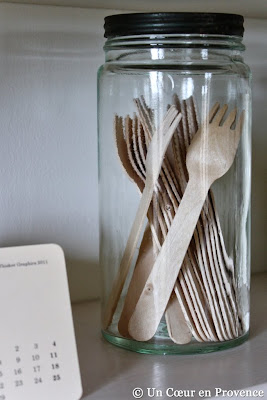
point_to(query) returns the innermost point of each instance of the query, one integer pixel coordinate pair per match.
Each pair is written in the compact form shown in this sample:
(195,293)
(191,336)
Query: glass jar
(174,106)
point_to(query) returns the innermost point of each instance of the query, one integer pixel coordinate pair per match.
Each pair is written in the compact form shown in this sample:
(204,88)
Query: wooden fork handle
(128,255)
(178,328)
(155,155)
(157,291)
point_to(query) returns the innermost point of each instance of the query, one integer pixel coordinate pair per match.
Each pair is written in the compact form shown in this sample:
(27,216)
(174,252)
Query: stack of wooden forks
(203,302)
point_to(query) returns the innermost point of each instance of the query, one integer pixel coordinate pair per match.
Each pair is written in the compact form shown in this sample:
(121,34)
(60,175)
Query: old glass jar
(174,106)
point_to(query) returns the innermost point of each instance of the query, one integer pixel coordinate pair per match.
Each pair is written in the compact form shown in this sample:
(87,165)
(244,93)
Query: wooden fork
(155,155)
(150,246)
(209,156)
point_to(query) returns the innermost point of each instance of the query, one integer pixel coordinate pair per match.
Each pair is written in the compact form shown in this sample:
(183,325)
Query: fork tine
(193,118)
(213,111)
(220,114)
(145,122)
(170,118)
(231,118)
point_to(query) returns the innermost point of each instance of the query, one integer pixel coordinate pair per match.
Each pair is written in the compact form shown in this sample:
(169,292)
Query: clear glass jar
(169,76)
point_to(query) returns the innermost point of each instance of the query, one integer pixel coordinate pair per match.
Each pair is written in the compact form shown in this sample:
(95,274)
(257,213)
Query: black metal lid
(173,23)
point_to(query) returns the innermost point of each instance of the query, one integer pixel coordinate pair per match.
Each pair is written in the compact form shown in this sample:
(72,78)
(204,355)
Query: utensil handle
(157,291)
(178,328)
(128,255)
(155,155)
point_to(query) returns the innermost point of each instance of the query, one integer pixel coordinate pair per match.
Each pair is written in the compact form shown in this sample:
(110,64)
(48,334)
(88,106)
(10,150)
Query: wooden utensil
(209,157)
(189,286)
(155,155)
(208,258)
(177,326)
(189,293)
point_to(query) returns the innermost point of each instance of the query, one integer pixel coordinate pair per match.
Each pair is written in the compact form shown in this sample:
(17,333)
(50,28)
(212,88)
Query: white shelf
(111,373)
(248,8)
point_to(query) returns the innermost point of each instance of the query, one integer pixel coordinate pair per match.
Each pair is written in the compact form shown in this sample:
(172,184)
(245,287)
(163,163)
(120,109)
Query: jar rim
(119,25)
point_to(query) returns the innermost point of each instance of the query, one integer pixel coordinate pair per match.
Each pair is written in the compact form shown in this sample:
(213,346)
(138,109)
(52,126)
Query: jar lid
(173,23)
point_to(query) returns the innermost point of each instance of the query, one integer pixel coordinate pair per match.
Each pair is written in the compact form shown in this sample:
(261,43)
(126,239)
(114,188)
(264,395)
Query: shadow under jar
(174,121)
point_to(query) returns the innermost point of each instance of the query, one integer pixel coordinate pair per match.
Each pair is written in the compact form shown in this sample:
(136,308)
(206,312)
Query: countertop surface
(109,372)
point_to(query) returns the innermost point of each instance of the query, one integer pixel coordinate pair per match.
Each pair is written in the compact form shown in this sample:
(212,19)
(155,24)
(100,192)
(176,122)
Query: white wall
(248,8)
(48,153)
